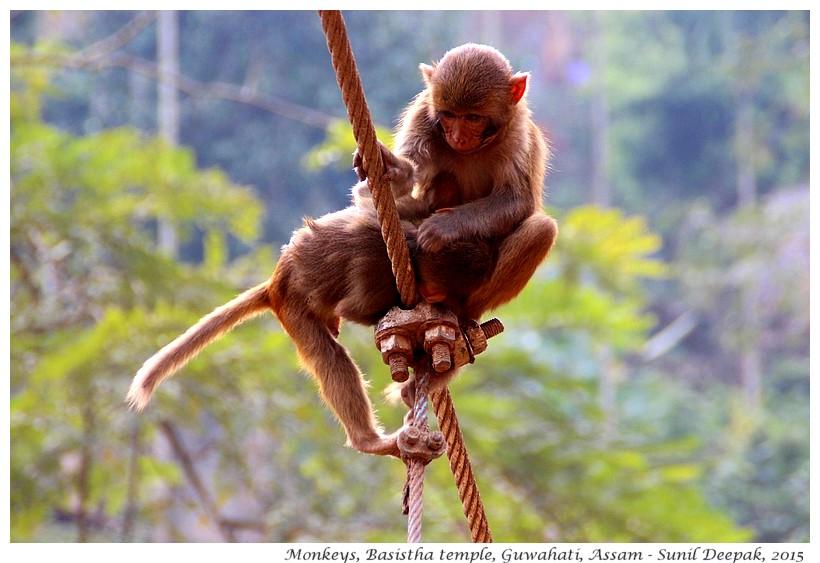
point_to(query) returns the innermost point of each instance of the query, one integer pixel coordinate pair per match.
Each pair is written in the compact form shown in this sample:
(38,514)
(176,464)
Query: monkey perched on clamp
(479,163)
(475,161)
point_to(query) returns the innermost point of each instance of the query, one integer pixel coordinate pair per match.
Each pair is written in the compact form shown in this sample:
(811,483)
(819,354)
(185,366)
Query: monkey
(450,276)
(478,162)
(334,267)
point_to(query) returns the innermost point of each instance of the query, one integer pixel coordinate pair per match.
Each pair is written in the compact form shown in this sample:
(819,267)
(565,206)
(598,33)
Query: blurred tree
(762,251)
(690,116)
(756,259)
(88,290)
(168,105)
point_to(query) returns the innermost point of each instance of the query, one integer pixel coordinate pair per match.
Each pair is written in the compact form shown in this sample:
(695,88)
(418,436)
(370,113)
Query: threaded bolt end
(398,368)
(491,328)
(441,357)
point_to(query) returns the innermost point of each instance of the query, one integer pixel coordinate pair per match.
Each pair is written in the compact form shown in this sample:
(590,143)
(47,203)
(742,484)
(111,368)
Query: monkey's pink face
(464,132)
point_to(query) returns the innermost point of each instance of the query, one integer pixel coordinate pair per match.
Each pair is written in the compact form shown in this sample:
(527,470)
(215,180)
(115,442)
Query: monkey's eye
(447,114)
(473,117)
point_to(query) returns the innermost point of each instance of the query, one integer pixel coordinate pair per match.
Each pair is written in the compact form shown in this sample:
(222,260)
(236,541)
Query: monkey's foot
(378,445)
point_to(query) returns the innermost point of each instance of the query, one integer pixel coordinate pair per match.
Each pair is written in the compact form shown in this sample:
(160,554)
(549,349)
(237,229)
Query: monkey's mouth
(470,147)
(467,149)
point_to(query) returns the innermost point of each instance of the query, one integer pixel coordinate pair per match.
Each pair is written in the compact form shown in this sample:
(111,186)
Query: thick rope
(350,83)
(358,113)
(415,467)
(461,467)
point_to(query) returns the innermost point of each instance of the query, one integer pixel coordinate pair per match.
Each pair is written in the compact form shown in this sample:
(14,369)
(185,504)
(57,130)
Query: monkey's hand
(439,230)
(398,171)
(358,165)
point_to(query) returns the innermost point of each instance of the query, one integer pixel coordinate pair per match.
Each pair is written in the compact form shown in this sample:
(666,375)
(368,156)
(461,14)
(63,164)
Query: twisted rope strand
(461,468)
(347,75)
(415,467)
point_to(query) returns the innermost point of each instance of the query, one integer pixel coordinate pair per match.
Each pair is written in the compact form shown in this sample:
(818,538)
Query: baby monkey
(478,162)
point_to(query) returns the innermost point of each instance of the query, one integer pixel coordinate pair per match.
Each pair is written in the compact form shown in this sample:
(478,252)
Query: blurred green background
(652,384)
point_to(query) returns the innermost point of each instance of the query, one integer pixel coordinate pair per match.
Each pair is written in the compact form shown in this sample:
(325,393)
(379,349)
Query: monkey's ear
(518,85)
(427,73)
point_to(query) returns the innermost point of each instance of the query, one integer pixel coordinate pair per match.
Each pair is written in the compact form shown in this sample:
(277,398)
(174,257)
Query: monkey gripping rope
(358,113)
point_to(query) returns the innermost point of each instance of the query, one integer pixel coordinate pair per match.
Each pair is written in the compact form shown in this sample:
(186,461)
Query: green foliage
(596,268)
(572,435)
(535,412)
(88,288)
(648,69)
(754,262)
(675,83)
(749,285)
(608,250)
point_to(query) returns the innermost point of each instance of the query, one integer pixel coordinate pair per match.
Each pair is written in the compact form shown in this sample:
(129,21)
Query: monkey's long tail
(172,357)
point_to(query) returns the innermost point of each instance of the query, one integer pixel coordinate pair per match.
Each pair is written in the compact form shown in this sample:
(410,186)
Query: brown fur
(176,354)
(496,190)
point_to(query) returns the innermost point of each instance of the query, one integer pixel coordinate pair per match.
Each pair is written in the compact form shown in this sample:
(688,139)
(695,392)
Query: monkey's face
(466,132)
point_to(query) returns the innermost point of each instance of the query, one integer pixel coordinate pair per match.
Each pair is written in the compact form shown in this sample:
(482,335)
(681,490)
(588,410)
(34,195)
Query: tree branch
(94,62)
(119,38)
(130,515)
(191,473)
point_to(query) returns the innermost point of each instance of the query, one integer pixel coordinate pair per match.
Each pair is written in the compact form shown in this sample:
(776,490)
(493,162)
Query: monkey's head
(473,94)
